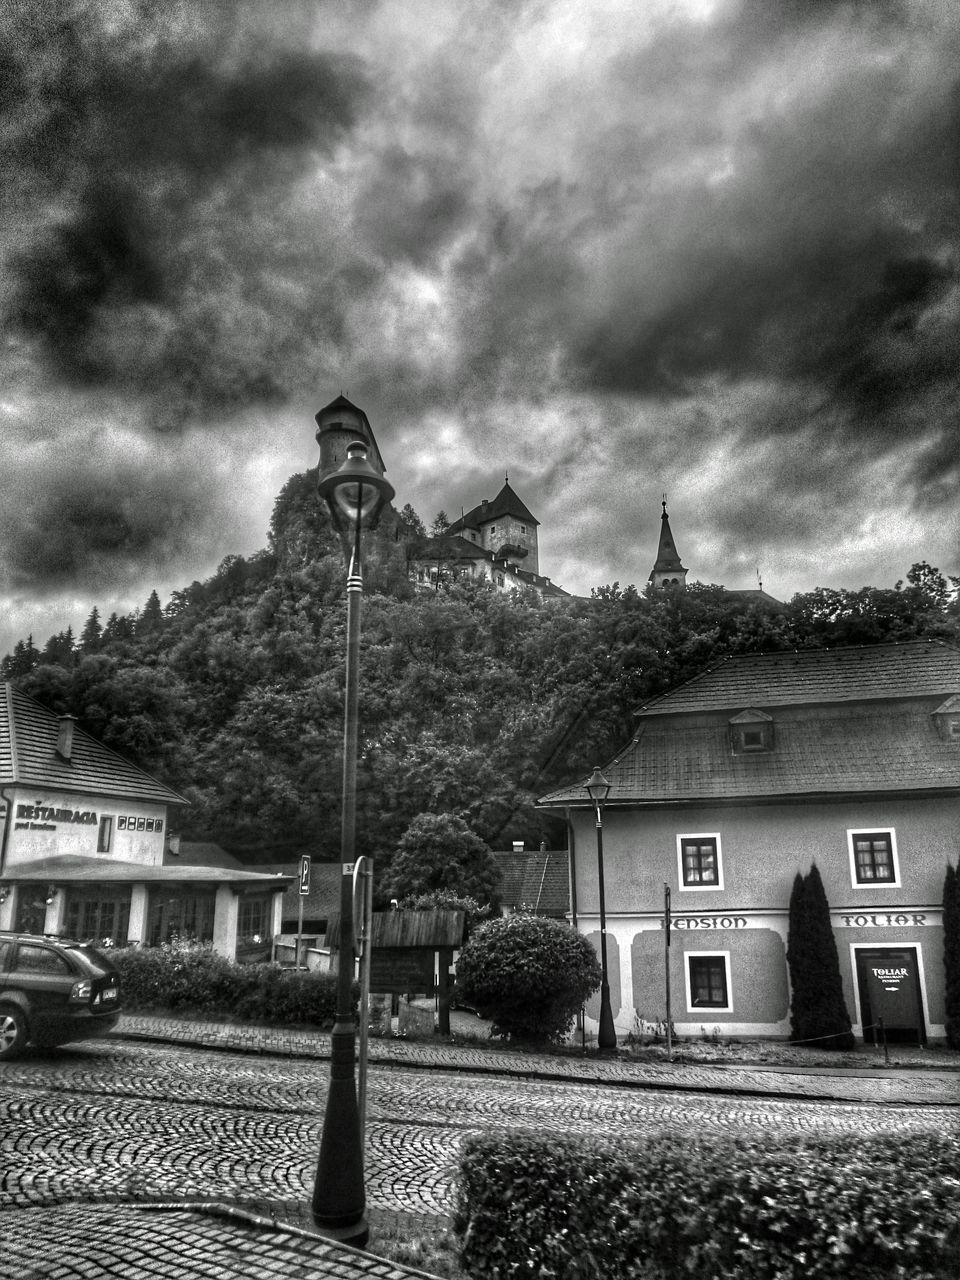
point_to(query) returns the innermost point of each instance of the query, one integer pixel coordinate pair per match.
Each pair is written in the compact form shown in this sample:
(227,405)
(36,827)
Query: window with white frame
(708,981)
(699,861)
(873,858)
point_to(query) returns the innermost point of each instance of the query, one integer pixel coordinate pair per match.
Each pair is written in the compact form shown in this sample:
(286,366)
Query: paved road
(128,1122)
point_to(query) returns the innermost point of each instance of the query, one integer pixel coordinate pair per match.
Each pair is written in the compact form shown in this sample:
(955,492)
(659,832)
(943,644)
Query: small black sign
(402,969)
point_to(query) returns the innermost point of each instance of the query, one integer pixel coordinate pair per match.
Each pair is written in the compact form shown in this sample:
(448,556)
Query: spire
(667,570)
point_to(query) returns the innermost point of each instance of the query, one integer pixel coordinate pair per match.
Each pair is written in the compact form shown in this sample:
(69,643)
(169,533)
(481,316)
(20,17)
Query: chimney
(484,502)
(518,846)
(65,737)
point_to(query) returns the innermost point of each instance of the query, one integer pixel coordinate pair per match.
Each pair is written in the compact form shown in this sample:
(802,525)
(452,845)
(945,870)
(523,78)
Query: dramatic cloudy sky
(617,249)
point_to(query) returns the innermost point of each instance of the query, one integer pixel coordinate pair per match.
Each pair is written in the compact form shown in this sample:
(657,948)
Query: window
(105,835)
(252,919)
(708,981)
(36,959)
(873,859)
(699,861)
(751,731)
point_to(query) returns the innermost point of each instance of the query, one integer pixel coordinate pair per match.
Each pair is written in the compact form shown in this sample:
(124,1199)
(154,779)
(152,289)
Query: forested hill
(472,702)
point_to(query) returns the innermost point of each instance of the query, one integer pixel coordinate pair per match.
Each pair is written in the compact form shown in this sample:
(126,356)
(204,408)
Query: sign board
(401,969)
(304,876)
(891,979)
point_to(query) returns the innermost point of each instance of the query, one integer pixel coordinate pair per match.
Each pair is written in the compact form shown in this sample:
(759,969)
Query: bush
(851,1207)
(189,977)
(528,974)
(818,1012)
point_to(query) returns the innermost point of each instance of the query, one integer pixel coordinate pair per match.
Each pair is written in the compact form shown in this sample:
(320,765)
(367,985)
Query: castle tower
(338,424)
(667,570)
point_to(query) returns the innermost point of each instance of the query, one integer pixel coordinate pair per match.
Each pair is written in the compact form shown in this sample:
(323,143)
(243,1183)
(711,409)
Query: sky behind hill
(616,250)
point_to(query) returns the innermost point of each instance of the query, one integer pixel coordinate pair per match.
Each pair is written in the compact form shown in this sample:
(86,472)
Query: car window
(4,954)
(99,965)
(32,958)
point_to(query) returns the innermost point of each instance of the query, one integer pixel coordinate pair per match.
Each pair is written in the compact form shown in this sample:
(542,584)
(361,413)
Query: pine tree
(951,953)
(818,1012)
(92,631)
(152,617)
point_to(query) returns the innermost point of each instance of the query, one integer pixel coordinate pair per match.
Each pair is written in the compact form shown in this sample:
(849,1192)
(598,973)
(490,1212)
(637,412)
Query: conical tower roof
(668,557)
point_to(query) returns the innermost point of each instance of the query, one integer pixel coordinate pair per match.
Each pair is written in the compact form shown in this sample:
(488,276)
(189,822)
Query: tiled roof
(29,733)
(860,721)
(73,869)
(536,879)
(914,669)
(506,503)
(850,751)
(321,902)
(201,853)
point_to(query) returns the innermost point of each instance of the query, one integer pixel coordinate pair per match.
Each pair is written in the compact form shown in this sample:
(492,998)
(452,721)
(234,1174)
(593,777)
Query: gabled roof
(29,733)
(506,503)
(873,731)
(538,880)
(917,668)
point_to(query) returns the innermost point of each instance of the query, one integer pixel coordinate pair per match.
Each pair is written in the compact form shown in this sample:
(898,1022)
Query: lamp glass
(598,788)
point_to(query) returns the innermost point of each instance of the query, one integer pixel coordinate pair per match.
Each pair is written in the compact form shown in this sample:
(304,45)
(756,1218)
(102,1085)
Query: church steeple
(667,570)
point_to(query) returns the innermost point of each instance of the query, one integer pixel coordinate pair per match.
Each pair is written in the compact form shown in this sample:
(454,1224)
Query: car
(53,990)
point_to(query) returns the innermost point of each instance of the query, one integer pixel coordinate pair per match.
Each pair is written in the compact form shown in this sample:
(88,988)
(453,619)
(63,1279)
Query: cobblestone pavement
(93,1134)
(873,1082)
(72,1242)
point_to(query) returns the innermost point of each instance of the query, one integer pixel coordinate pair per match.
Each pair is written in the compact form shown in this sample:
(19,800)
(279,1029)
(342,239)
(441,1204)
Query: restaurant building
(87,850)
(748,774)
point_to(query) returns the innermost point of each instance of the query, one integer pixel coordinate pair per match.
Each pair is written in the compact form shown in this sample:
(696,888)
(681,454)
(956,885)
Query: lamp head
(354,495)
(598,788)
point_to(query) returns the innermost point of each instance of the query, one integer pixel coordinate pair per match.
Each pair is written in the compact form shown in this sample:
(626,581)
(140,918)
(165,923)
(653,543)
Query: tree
(529,974)
(152,617)
(441,523)
(818,1013)
(409,523)
(92,631)
(951,953)
(439,851)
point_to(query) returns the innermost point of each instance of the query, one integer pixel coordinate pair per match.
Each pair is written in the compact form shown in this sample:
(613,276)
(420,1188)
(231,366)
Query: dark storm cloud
(150,153)
(90,519)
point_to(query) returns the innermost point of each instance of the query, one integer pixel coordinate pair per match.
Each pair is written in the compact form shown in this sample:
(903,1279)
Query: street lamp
(355,495)
(598,788)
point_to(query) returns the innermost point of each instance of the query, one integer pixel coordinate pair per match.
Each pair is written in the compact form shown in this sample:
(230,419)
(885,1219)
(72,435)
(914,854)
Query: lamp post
(598,788)
(354,494)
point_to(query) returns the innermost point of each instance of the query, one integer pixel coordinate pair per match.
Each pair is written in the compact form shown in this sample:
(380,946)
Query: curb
(718,1086)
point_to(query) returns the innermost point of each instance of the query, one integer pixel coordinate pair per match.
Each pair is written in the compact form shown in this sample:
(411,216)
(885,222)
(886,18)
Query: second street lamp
(598,788)
(355,494)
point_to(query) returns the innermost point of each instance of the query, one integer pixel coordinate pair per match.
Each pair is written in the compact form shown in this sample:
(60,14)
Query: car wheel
(13,1031)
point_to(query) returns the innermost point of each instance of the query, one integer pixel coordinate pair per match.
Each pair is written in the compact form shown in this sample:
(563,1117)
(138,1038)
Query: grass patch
(416,1240)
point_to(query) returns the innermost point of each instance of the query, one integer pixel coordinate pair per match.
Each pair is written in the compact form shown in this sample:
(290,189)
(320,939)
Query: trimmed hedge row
(194,979)
(854,1207)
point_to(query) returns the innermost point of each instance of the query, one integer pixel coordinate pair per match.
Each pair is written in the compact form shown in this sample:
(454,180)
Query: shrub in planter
(528,974)
(852,1207)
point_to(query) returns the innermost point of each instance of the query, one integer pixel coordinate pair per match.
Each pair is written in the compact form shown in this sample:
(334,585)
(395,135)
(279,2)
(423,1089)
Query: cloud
(162,158)
(708,248)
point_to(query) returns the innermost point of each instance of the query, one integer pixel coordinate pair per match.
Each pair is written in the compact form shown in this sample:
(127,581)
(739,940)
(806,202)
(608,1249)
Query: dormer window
(751,732)
(947,719)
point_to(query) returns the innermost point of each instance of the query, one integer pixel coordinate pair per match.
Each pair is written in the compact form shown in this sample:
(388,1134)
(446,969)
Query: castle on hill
(496,540)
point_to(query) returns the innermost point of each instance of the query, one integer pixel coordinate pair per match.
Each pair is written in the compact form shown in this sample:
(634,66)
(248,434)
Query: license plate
(109,994)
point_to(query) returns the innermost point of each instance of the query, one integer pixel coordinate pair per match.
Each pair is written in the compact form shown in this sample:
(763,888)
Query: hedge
(194,979)
(718,1208)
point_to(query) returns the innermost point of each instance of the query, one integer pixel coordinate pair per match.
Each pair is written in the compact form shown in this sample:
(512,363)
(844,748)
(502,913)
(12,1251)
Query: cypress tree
(818,1012)
(951,953)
